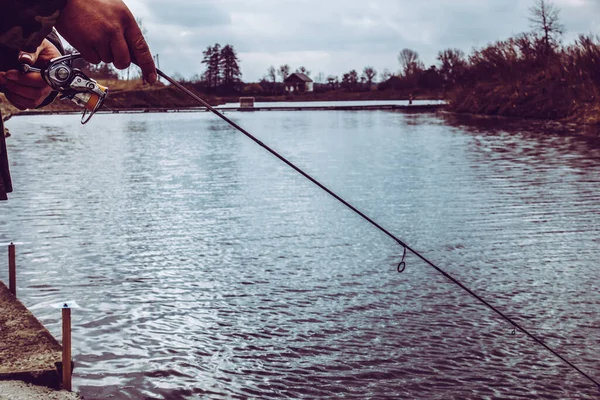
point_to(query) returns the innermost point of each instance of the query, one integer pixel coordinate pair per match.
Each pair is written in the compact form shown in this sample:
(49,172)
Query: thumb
(30,58)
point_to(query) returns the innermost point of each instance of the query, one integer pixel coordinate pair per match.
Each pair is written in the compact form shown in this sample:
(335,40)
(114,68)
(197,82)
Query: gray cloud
(188,14)
(336,36)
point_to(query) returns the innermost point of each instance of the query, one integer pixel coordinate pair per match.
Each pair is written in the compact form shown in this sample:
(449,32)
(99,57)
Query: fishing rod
(74,85)
(405,246)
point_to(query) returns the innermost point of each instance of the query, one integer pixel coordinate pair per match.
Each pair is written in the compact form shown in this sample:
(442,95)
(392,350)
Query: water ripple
(206,269)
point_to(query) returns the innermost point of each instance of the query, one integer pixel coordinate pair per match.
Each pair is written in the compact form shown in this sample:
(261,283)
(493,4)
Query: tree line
(454,68)
(222,69)
(532,74)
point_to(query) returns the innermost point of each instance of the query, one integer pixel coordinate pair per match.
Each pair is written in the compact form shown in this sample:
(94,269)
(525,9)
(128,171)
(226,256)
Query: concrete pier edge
(28,352)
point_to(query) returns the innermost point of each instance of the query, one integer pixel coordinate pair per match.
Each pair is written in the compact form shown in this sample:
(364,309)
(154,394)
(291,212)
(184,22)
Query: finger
(140,53)
(105,52)
(90,55)
(48,52)
(2,78)
(120,51)
(28,92)
(30,58)
(31,79)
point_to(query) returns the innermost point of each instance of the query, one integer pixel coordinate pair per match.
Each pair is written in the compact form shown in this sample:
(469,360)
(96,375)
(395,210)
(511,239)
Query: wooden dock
(28,352)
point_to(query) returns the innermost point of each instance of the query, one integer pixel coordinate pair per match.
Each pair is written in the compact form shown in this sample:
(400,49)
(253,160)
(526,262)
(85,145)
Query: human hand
(28,89)
(105,30)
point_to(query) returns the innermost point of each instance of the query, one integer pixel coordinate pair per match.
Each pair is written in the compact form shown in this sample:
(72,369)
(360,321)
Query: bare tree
(303,70)
(178,77)
(350,81)
(452,63)
(284,72)
(272,74)
(409,62)
(272,77)
(385,75)
(545,20)
(333,81)
(369,73)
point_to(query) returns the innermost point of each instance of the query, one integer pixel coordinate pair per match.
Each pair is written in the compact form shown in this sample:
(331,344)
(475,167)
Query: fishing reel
(73,84)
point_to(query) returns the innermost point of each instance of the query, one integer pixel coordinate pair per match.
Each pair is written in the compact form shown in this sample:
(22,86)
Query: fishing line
(402,265)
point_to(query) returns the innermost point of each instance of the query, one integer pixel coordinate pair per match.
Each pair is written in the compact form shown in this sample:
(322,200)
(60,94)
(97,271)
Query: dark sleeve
(5,180)
(24,24)
(55,40)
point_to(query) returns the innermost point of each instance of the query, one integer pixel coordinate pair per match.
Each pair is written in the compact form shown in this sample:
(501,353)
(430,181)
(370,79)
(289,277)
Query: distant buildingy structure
(298,82)
(246,102)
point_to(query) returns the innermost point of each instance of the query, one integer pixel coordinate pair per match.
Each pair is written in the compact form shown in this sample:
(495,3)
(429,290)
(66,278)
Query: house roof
(298,76)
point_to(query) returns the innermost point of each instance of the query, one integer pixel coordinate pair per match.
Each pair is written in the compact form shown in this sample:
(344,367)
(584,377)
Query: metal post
(66,348)
(12,269)
(158,64)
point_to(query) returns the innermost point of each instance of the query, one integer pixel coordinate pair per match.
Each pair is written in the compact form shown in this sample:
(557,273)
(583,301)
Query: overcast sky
(335,36)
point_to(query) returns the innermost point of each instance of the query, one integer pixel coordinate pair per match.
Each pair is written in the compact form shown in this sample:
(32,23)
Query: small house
(299,83)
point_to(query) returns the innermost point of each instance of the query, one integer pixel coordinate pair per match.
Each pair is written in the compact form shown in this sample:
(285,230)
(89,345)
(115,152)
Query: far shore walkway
(408,108)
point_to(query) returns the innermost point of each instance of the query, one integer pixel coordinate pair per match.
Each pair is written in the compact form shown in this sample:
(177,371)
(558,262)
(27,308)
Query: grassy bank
(529,99)
(534,95)
(518,78)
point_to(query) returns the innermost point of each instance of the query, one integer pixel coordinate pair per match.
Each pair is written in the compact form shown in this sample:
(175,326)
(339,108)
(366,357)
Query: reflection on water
(207,269)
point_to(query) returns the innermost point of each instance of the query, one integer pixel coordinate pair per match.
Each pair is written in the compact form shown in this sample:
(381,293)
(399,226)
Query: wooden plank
(66,348)
(12,269)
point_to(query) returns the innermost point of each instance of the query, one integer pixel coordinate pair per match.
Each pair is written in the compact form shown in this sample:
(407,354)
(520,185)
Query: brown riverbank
(529,99)
(137,96)
(528,78)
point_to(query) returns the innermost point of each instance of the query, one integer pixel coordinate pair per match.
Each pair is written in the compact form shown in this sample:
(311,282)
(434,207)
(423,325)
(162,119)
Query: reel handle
(72,84)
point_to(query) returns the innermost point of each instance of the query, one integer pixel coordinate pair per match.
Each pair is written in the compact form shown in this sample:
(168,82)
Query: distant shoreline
(551,125)
(366,107)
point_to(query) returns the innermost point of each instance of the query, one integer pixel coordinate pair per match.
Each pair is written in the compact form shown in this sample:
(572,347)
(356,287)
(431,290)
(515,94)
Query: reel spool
(73,84)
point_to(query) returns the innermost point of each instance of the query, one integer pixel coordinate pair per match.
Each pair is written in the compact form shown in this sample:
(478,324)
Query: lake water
(205,268)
